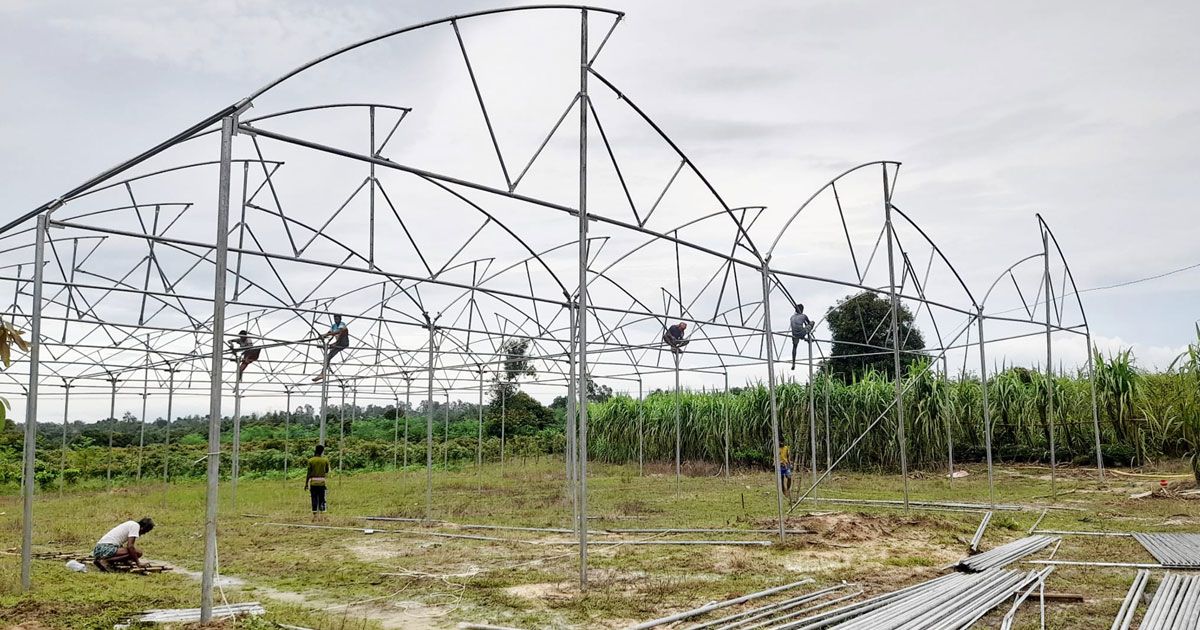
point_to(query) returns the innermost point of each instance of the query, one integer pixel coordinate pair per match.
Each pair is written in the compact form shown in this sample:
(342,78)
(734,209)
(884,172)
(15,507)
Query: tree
(596,393)
(861,326)
(522,415)
(516,365)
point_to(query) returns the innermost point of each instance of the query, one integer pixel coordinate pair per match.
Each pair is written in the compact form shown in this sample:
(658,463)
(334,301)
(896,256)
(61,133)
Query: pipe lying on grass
(540,543)
(1125,615)
(1081,563)
(755,614)
(1006,554)
(695,612)
(1039,583)
(514,528)
(933,505)
(987,518)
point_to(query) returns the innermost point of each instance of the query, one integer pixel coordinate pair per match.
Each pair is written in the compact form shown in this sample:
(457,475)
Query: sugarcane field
(672,315)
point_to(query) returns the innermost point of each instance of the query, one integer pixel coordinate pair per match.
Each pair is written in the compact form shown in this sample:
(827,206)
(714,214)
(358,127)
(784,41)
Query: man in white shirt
(118,545)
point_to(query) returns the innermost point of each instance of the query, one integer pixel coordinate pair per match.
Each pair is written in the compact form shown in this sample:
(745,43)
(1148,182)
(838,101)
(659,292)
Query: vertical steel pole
(828,432)
(324,407)
(949,427)
(446,434)
(641,430)
(235,459)
(503,421)
(287,433)
(728,431)
(112,415)
(29,451)
(1095,411)
(407,406)
(62,466)
(167,440)
(987,410)
(1049,369)
(812,412)
(341,430)
(769,346)
(429,431)
(581,391)
(396,433)
(479,439)
(572,414)
(214,391)
(142,419)
(371,178)
(895,299)
(678,425)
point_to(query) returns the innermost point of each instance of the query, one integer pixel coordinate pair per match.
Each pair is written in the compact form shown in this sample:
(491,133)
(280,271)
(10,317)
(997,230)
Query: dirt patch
(607,579)
(842,527)
(546,591)
(402,614)
(1178,519)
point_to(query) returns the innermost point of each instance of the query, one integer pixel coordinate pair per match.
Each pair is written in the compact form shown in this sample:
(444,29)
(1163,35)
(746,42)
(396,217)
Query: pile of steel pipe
(978,538)
(1040,584)
(774,609)
(1176,604)
(1006,554)
(1129,606)
(192,615)
(707,608)
(950,602)
(794,614)
(1173,550)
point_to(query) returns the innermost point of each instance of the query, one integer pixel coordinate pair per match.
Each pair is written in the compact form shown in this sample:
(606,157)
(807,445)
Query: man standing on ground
(674,337)
(801,329)
(341,334)
(785,471)
(118,545)
(314,481)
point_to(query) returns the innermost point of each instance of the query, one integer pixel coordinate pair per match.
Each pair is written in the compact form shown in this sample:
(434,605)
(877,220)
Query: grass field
(347,579)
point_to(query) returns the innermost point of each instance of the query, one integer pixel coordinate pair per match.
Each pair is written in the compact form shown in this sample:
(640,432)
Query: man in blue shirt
(341,334)
(674,337)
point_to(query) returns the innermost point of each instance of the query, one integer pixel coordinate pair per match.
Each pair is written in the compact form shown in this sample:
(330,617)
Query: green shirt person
(314,481)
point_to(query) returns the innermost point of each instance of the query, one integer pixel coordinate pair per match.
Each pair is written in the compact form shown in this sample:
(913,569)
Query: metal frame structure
(281,254)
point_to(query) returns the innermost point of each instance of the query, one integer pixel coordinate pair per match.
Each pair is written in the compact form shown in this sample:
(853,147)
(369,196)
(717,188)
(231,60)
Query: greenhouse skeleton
(78,355)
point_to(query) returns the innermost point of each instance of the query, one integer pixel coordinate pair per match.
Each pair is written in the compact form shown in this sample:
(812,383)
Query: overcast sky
(1088,112)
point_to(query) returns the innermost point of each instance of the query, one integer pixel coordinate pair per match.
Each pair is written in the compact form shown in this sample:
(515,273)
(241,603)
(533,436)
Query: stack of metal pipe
(1129,606)
(949,602)
(1176,604)
(1006,554)
(1180,551)
(773,613)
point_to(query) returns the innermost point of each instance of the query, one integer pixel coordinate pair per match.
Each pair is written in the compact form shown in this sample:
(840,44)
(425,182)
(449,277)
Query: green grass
(446,581)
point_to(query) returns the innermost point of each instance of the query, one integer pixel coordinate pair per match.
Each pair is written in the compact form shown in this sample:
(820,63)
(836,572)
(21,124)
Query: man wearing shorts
(785,471)
(341,334)
(249,352)
(314,481)
(118,545)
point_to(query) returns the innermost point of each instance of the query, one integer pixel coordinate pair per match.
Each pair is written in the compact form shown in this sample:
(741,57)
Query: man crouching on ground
(118,545)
